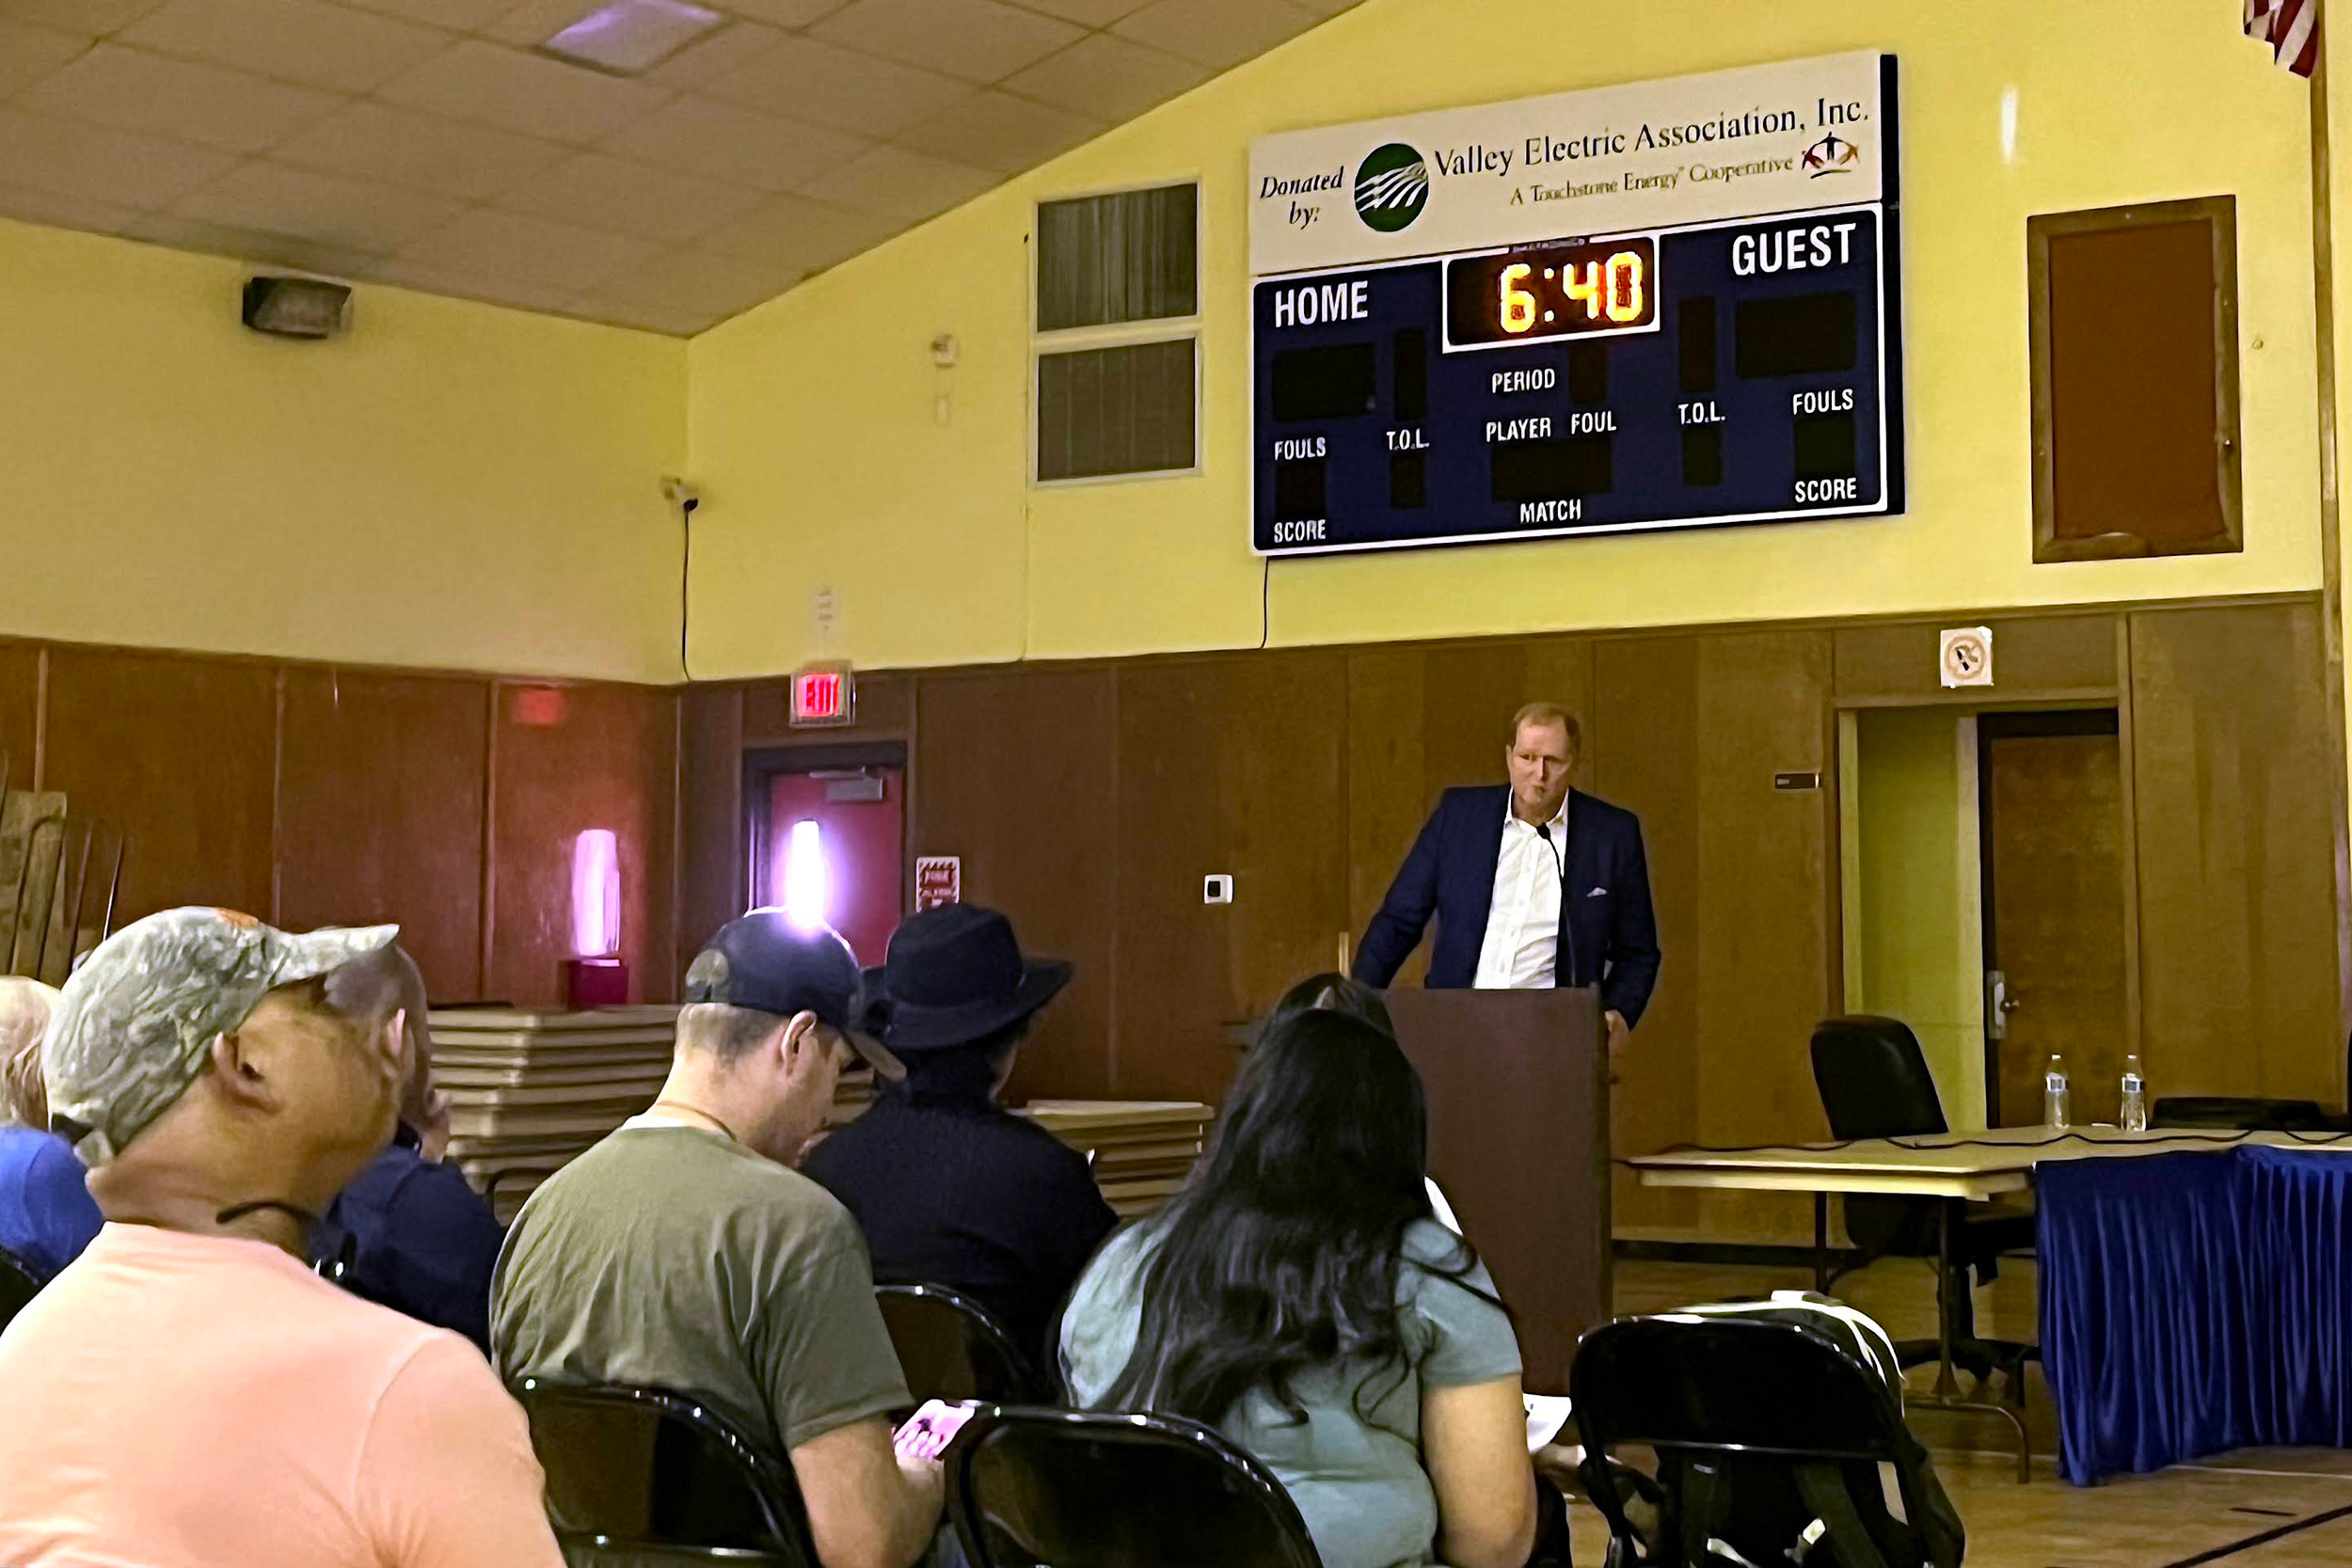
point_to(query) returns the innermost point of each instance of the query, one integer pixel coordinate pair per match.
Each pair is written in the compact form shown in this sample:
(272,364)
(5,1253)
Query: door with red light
(835,850)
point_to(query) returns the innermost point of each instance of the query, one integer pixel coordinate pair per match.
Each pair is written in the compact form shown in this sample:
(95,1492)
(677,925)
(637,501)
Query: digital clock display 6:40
(1566,291)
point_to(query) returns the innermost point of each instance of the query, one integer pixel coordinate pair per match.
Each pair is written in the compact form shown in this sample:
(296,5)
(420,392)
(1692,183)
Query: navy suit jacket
(1608,931)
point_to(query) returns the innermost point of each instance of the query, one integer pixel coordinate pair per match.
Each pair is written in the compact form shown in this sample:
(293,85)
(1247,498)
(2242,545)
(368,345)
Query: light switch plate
(1216,889)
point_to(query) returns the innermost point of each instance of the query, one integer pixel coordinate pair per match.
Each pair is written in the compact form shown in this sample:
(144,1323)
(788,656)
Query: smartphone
(929,1430)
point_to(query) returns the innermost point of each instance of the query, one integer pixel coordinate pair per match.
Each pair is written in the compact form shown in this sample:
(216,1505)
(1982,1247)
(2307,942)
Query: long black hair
(1283,1252)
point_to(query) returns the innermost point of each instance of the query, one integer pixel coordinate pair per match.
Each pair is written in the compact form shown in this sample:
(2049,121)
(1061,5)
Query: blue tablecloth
(2194,1303)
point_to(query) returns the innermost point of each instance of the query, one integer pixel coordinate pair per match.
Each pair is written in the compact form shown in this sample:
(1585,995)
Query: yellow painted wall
(1918,926)
(814,427)
(452,485)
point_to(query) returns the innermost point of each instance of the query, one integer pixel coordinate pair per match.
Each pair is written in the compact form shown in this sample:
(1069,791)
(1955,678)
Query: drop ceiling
(433,144)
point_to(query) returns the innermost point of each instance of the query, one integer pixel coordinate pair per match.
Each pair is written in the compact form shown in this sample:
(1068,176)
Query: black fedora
(953,975)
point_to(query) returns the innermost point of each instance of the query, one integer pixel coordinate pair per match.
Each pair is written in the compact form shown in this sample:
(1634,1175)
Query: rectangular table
(1968,1166)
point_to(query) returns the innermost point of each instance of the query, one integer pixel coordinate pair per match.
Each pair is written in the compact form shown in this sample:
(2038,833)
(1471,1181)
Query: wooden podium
(1517,1083)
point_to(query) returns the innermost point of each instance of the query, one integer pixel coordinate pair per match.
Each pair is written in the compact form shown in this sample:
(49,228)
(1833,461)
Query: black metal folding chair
(1041,1488)
(639,1473)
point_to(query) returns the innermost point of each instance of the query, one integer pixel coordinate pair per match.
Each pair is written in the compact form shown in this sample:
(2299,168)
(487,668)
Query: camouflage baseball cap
(135,1022)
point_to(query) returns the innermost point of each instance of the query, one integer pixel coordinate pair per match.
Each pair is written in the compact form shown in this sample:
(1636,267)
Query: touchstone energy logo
(1391,187)
(1831,154)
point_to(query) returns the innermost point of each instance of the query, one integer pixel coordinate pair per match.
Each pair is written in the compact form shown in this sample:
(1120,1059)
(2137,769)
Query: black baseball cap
(770,963)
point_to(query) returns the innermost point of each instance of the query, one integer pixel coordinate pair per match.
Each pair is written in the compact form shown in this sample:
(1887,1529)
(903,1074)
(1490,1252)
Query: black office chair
(1041,1488)
(638,1473)
(19,1282)
(2246,1113)
(951,1348)
(1875,1084)
(1768,1440)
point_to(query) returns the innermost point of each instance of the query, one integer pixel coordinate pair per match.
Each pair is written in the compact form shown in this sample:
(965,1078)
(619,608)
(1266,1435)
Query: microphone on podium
(1543,830)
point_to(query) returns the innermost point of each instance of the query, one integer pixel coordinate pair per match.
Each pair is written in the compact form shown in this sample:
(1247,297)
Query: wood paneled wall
(1089,799)
(313,795)
(2233,799)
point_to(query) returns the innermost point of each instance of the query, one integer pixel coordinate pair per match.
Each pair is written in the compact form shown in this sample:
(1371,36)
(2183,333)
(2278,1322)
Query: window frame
(1153,329)
(2219,214)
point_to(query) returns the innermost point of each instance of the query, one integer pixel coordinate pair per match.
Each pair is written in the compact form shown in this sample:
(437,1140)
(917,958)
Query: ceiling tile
(981,39)
(88,16)
(529,249)
(357,215)
(1216,33)
(996,130)
(460,283)
(420,151)
(489,84)
(464,16)
(717,284)
(28,52)
(60,211)
(726,142)
(1086,13)
(294,40)
(1108,77)
(796,229)
(134,90)
(248,244)
(630,198)
(809,80)
(528,24)
(101,165)
(783,13)
(898,183)
(737,43)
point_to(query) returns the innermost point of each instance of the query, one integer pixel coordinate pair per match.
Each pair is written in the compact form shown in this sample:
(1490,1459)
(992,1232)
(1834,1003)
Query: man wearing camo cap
(187,1392)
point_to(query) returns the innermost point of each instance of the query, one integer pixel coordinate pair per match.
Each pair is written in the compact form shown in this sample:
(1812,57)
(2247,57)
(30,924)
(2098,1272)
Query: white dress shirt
(1522,944)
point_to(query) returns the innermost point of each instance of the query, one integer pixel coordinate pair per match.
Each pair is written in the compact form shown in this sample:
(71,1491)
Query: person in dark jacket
(409,1232)
(950,1188)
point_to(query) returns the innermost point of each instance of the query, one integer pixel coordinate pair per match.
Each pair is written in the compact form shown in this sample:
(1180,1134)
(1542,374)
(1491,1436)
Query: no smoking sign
(1966,656)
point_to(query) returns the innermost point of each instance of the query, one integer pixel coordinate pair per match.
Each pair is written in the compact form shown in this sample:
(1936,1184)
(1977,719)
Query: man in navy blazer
(1533,884)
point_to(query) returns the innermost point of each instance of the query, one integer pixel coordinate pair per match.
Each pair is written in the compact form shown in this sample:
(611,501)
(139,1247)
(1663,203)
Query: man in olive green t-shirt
(680,1253)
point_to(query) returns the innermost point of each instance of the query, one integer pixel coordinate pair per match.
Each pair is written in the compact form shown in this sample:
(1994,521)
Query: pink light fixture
(594,975)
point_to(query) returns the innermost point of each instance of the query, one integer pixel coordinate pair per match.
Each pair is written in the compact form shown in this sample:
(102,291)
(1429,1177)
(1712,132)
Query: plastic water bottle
(2056,1110)
(2135,1098)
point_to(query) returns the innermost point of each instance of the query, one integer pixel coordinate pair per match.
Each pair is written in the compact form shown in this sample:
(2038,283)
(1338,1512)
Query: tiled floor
(2220,1506)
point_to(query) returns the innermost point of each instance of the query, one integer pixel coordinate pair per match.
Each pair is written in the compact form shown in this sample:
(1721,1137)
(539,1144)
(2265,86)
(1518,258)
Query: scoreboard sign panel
(1654,306)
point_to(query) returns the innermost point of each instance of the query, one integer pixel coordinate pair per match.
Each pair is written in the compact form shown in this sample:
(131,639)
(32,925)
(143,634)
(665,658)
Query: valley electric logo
(1391,187)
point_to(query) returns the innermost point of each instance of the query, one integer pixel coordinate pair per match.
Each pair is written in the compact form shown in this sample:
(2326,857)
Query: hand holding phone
(929,1430)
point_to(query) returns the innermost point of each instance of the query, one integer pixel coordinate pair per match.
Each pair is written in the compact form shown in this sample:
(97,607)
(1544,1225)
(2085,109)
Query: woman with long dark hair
(1297,1296)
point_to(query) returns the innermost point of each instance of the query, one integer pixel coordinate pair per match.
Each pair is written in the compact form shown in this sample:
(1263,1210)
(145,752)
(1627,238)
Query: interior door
(858,816)
(2050,792)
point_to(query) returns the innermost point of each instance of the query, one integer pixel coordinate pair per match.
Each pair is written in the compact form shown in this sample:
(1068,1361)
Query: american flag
(2291,28)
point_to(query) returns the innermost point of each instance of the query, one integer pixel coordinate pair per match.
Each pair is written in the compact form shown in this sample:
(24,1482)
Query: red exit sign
(825,695)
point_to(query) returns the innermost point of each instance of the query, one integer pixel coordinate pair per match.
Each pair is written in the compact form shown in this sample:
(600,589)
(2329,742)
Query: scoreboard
(1655,306)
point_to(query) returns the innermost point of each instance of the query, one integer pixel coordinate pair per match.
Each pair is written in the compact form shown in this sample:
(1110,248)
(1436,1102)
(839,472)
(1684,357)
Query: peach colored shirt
(176,1400)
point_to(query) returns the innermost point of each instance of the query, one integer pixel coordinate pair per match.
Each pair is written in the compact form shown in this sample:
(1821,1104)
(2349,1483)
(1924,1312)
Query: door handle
(1998,1004)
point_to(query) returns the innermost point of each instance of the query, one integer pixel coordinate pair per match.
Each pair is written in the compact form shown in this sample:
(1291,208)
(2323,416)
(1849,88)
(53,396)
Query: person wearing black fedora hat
(950,1188)
(681,1252)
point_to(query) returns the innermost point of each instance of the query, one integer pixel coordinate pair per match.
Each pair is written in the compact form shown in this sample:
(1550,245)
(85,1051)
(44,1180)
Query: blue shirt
(47,1215)
(1354,1465)
(421,1242)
